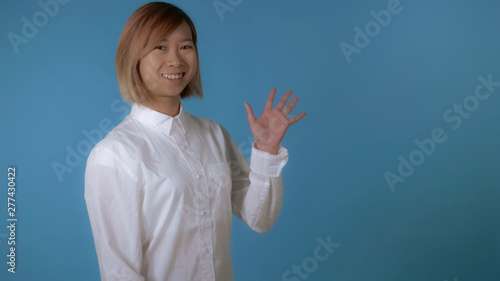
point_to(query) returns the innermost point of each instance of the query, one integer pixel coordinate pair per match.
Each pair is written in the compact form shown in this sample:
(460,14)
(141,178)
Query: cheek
(193,65)
(147,70)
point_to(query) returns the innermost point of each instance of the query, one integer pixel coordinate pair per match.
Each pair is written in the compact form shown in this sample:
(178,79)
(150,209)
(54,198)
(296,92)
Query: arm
(257,189)
(113,201)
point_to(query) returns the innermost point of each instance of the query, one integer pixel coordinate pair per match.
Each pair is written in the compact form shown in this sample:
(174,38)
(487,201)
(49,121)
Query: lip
(174,82)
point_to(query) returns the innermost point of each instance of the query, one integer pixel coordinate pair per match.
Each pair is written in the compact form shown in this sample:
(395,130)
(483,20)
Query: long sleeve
(113,200)
(257,188)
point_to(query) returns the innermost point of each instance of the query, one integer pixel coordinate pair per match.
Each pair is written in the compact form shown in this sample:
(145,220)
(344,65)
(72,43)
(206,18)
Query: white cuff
(266,163)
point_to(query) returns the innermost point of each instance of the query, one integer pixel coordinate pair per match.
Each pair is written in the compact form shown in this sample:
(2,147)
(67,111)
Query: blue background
(441,223)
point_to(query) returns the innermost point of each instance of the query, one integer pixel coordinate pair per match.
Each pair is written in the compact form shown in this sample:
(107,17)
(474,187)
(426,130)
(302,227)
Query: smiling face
(170,66)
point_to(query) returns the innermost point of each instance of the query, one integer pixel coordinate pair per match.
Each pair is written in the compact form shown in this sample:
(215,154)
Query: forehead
(182,33)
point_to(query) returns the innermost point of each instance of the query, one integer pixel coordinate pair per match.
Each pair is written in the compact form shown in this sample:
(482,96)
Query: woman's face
(168,68)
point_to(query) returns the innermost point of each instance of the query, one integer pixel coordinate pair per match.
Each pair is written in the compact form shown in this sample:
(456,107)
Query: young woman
(162,186)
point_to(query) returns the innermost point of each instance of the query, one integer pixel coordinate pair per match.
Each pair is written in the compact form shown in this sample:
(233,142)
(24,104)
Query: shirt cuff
(266,163)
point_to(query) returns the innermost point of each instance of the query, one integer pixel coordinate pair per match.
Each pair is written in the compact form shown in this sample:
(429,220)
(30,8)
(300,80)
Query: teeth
(179,76)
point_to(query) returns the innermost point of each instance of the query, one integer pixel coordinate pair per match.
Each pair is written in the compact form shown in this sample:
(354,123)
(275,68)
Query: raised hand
(270,128)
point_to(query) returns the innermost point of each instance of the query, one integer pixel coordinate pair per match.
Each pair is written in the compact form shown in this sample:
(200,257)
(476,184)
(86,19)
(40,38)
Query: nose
(173,59)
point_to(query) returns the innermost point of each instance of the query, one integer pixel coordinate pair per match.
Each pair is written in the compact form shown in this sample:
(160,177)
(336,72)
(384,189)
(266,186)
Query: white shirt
(160,193)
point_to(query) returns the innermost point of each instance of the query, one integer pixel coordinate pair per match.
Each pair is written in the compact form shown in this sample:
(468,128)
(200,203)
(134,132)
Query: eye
(186,47)
(160,47)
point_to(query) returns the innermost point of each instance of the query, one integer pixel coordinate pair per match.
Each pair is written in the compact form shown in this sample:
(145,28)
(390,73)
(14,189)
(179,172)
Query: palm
(270,128)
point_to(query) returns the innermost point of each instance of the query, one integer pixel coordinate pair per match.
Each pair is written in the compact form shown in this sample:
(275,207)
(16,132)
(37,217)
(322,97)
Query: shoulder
(208,127)
(203,122)
(120,144)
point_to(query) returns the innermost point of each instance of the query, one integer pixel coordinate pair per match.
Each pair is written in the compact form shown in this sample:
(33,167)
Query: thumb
(250,115)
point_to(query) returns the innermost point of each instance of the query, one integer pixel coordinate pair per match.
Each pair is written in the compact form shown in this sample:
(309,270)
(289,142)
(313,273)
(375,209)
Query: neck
(168,105)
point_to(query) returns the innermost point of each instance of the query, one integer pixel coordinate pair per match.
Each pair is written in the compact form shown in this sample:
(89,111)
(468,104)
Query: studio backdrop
(392,175)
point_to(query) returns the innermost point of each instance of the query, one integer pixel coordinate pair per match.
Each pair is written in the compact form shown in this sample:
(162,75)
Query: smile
(173,76)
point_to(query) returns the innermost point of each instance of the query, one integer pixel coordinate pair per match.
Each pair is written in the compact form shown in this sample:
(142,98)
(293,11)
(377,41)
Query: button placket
(205,225)
(178,136)
(202,201)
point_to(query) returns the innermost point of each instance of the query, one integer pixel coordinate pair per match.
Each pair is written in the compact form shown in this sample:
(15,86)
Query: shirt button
(203,213)
(205,250)
(183,147)
(197,177)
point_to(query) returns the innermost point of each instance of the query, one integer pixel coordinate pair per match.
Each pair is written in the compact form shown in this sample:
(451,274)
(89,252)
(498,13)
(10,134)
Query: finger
(270,99)
(290,106)
(250,115)
(283,100)
(296,118)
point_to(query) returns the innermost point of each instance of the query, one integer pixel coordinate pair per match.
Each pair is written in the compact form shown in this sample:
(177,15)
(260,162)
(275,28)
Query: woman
(162,186)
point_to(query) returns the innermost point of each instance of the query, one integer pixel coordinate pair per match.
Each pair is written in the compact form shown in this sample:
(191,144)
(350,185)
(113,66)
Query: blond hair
(144,30)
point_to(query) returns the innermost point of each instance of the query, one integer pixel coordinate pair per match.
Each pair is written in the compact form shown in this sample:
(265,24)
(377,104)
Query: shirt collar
(159,120)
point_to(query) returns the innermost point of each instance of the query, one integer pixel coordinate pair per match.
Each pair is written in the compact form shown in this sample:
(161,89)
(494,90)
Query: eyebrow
(183,40)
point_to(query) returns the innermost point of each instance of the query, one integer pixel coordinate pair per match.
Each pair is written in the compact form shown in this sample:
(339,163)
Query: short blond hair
(144,30)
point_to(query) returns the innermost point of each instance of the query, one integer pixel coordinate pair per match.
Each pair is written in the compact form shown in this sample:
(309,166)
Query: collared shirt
(160,194)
